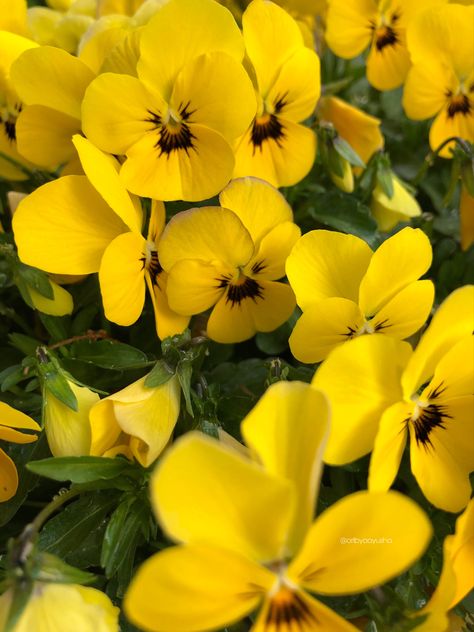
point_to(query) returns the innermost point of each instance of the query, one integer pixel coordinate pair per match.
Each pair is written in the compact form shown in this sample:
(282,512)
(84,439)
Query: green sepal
(50,568)
(160,374)
(79,469)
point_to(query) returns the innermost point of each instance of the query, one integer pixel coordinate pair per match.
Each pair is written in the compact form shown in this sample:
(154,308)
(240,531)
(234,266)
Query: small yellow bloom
(383,395)
(276,147)
(65,607)
(441,81)
(177,120)
(10,420)
(353,25)
(345,290)
(245,531)
(401,207)
(136,422)
(229,258)
(97,228)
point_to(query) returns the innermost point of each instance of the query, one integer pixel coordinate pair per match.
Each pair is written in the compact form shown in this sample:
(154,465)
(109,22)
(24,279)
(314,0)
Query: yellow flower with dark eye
(229,258)
(11,47)
(85,224)
(191,100)
(245,531)
(345,290)
(276,147)
(353,25)
(51,84)
(12,422)
(383,395)
(441,81)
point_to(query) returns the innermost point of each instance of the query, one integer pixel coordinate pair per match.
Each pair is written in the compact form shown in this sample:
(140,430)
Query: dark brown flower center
(174,134)
(239,290)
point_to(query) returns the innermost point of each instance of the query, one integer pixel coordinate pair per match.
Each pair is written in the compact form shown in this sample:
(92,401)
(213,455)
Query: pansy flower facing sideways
(441,81)
(176,121)
(86,224)
(246,540)
(276,147)
(346,290)
(229,258)
(383,395)
(354,25)
(12,424)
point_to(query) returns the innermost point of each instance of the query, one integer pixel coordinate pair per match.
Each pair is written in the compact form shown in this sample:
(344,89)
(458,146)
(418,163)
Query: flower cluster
(256,392)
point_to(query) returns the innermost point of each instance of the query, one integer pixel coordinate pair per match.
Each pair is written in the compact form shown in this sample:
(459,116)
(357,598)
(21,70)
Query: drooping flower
(229,258)
(65,607)
(441,81)
(97,228)
(354,25)
(136,422)
(177,120)
(389,211)
(276,147)
(12,422)
(245,534)
(383,395)
(345,290)
(50,84)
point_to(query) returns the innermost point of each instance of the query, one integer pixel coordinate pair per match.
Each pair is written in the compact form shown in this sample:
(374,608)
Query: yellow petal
(115,124)
(424,91)
(445,126)
(65,226)
(211,85)
(451,322)
(14,436)
(51,77)
(348,26)
(195,173)
(362,378)
(8,477)
(388,212)
(194,286)
(206,493)
(8,170)
(60,305)
(188,236)
(14,20)
(122,279)
(237,320)
(399,261)
(388,447)
(268,262)
(387,68)
(12,46)
(13,418)
(324,264)
(323,327)
(102,172)
(282,161)
(218,586)
(460,552)
(361,541)
(167,321)
(271,37)
(68,432)
(287,432)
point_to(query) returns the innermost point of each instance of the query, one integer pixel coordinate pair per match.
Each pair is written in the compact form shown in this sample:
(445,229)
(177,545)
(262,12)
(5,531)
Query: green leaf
(79,469)
(184,372)
(37,279)
(56,383)
(108,354)
(160,374)
(25,344)
(345,150)
(385,179)
(335,162)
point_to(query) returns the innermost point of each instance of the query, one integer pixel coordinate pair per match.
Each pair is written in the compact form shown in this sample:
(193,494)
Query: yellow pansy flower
(11,423)
(229,258)
(11,46)
(359,129)
(177,120)
(383,395)
(346,290)
(390,211)
(50,84)
(97,228)
(353,25)
(441,81)
(65,607)
(137,421)
(245,534)
(276,147)
(457,575)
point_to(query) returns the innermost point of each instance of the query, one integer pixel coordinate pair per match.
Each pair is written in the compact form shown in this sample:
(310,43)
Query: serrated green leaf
(79,469)
(160,374)
(345,150)
(108,354)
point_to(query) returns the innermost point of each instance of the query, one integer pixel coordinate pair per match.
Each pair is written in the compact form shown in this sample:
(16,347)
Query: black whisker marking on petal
(237,292)
(268,126)
(258,266)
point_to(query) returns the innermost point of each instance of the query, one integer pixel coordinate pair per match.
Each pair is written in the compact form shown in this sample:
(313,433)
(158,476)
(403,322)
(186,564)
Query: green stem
(17,164)
(430,158)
